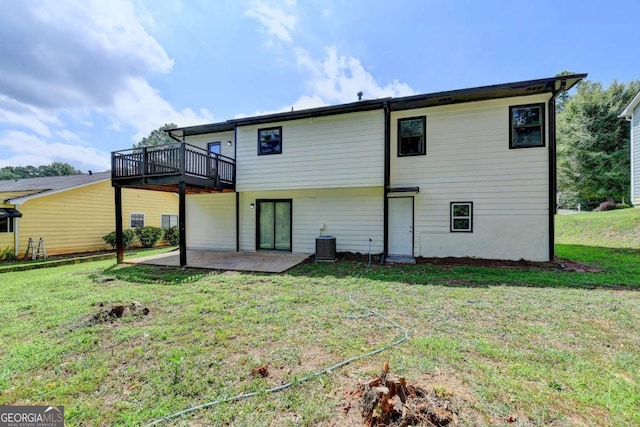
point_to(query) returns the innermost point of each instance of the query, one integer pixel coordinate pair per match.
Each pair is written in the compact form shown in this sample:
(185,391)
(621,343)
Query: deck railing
(173,159)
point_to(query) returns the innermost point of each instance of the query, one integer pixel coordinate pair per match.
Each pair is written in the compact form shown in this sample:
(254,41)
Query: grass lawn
(509,346)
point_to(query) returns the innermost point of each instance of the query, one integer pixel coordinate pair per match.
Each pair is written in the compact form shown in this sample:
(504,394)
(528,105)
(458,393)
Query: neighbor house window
(214,147)
(462,216)
(526,126)
(270,140)
(6,225)
(412,137)
(169,221)
(137,220)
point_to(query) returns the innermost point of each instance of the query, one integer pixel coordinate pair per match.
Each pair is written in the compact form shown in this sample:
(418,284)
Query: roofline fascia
(22,199)
(628,111)
(372,104)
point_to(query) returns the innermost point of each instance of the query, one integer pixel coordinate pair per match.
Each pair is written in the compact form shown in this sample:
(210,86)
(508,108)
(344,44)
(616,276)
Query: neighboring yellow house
(72,213)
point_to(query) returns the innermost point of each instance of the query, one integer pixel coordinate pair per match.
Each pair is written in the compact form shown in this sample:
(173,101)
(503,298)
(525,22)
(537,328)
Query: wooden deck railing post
(145,161)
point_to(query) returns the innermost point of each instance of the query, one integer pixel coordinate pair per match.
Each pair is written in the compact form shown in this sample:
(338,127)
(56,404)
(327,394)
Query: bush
(172,235)
(128,236)
(623,206)
(149,236)
(7,253)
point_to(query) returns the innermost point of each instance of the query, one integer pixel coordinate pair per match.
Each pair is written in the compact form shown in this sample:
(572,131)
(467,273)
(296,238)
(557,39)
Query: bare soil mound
(114,313)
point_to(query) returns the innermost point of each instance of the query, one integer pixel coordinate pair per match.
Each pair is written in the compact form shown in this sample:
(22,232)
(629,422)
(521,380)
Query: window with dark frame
(6,225)
(526,126)
(168,221)
(270,140)
(462,217)
(137,220)
(412,136)
(215,147)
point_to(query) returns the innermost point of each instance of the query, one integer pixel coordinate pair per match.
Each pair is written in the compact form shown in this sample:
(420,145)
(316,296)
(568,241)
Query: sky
(80,79)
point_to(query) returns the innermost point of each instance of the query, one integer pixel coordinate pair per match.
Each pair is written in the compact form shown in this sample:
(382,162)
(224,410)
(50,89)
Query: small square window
(168,221)
(412,140)
(270,140)
(526,126)
(462,216)
(137,220)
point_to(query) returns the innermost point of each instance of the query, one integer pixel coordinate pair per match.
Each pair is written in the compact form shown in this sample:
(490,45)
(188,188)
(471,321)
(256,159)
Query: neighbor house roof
(48,185)
(627,112)
(505,90)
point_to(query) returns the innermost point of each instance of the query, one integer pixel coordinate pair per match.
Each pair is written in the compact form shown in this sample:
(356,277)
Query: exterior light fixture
(229,143)
(252,206)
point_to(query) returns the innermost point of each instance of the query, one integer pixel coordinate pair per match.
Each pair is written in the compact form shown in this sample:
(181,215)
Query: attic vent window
(444,100)
(534,89)
(526,126)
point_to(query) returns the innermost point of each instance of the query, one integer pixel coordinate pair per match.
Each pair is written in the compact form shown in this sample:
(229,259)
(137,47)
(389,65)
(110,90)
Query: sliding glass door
(274,225)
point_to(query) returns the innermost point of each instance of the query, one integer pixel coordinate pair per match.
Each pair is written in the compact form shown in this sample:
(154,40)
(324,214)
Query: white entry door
(401,226)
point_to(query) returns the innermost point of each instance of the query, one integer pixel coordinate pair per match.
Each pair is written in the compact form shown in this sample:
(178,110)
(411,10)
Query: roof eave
(20,200)
(483,93)
(505,90)
(628,111)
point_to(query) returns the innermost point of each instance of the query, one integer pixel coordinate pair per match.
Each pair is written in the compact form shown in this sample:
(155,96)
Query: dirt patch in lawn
(557,264)
(115,313)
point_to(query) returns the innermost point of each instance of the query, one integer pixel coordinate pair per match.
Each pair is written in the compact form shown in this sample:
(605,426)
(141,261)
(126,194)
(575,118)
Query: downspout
(553,206)
(387,175)
(16,233)
(632,196)
(235,174)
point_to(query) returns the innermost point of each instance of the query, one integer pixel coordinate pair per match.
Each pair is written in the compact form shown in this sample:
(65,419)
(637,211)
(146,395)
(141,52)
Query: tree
(593,144)
(157,137)
(54,169)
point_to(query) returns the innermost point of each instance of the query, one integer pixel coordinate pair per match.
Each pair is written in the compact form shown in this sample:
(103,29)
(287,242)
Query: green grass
(610,229)
(548,347)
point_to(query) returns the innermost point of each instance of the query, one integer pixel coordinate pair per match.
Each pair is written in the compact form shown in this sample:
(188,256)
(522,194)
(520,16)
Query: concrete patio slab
(263,262)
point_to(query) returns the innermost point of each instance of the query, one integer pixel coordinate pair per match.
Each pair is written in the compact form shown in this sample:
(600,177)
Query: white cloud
(86,57)
(141,106)
(338,79)
(276,22)
(22,149)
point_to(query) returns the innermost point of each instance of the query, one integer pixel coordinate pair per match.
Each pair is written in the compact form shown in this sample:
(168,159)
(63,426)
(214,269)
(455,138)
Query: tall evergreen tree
(593,144)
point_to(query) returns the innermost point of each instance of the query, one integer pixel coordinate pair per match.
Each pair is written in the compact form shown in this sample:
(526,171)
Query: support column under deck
(119,236)
(182,224)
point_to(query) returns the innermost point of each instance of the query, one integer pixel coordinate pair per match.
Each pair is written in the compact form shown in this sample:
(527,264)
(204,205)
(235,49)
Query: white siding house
(632,113)
(463,173)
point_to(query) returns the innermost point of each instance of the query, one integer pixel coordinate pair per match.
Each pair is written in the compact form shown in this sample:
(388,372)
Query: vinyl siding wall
(635,156)
(324,152)
(7,240)
(351,215)
(468,160)
(211,221)
(75,220)
(203,141)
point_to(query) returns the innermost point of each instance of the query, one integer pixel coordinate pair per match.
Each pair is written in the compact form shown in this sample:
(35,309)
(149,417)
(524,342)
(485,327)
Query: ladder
(36,252)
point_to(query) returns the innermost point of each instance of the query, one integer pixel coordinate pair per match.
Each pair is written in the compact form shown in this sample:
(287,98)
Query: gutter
(553,174)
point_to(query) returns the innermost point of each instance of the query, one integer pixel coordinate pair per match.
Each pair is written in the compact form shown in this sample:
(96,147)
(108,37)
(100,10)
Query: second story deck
(165,167)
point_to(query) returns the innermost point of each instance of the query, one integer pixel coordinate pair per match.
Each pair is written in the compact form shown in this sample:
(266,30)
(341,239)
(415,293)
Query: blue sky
(79,79)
